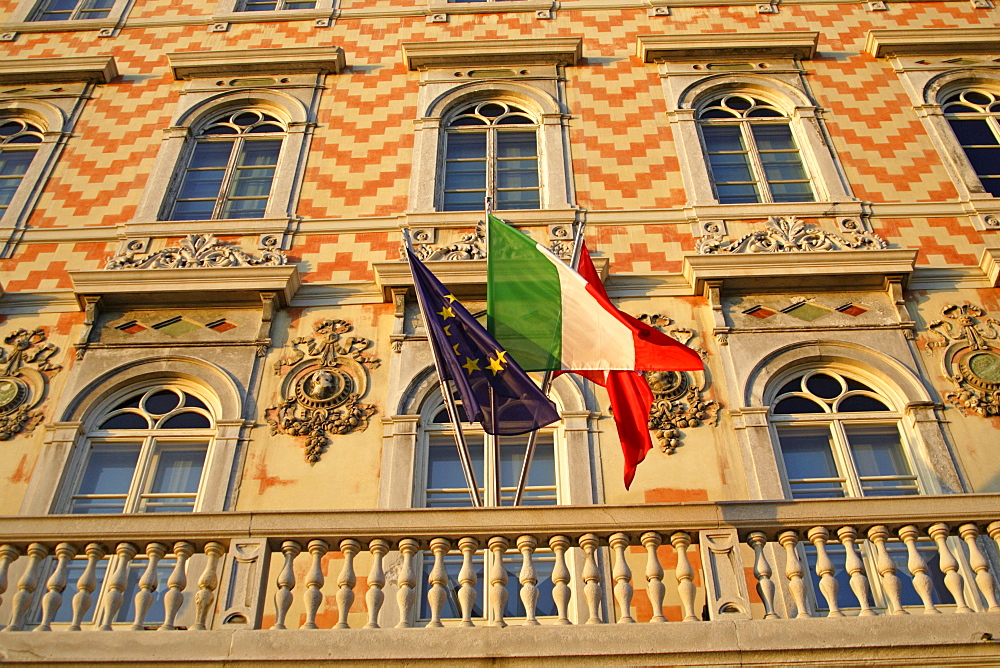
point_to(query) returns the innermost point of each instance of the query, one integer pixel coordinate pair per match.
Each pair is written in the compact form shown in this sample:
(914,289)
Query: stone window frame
(932,64)
(63,451)
(199,107)
(445,7)
(229,11)
(764,65)
(21,20)
(51,93)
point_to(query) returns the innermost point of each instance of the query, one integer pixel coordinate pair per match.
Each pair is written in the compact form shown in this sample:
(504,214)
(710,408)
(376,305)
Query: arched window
(751,151)
(839,437)
(974,116)
(491,151)
(66,10)
(19,141)
(145,453)
(231,167)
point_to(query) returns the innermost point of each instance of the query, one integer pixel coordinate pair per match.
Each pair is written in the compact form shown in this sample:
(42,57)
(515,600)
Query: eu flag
(495,391)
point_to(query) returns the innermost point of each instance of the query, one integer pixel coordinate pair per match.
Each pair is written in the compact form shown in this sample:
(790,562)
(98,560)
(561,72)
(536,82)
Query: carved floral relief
(782,235)
(322,390)
(24,376)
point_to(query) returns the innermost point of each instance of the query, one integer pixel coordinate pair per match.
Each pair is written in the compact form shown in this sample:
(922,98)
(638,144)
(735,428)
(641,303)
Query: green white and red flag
(549,318)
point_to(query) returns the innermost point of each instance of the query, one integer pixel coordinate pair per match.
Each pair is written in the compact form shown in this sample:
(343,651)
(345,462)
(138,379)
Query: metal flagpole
(529,451)
(449,402)
(494,438)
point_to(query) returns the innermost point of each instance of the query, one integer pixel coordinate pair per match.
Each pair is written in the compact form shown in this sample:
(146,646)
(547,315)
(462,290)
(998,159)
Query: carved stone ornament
(471,246)
(24,379)
(321,393)
(677,395)
(196,251)
(971,361)
(783,235)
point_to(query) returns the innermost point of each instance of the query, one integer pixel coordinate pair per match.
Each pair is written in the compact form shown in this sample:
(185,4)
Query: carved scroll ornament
(197,251)
(782,235)
(971,358)
(24,379)
(320,396)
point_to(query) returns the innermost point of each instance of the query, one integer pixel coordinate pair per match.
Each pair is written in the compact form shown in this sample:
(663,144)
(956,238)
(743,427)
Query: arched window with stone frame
(974,116)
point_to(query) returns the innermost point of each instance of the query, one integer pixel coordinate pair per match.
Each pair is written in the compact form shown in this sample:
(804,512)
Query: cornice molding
(798,45)
(486,52)
(97,69)
(218,285)
(297,60)
(932,41)
(815,270)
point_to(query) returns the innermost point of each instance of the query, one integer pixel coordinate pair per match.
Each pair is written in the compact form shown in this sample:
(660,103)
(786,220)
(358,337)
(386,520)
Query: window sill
(59,26)
(275,15)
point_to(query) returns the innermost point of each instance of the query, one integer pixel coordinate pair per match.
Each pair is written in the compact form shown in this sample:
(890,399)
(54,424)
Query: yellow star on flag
(471,364)
(455,348)
(450,298)
(502,356)
(496,365)
(447,330)
(446,312)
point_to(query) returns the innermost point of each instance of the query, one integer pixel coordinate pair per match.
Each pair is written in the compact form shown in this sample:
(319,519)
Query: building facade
(218,409)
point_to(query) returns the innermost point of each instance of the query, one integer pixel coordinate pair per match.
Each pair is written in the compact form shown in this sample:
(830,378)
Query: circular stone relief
(985,366)
(13,393)
(324,387)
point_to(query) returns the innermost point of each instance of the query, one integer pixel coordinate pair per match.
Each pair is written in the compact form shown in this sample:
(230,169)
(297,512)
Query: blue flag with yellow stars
(494,390)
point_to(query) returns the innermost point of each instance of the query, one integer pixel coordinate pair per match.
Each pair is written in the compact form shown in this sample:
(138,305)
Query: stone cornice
(219,285)
(798,45)
(487,52)
(98,69)
(816,270)
(193,64)
(932,41)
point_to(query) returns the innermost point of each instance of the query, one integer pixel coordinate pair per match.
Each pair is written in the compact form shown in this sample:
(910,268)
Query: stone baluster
(346,582)
(655,590)
(313,595)
(406,596)
(560,579)
(467,579)
(993,529)
(147,584)
(591,575)
(498,580)
(8,554)
(918,568)
(176,584)
(376,580)
(56,584)
(684,574)
(285,582)
(528,577)
(437,595)
(207,584)
(886,570)
(828,585)
(117,579)
(853,565)
(86,584)
(762,572)
(952,578)
(622,576)
(26,586)
(979,564)
(793,572)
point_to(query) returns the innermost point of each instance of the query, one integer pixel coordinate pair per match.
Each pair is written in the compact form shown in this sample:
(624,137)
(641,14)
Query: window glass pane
(974,132)
(860,403)
(257,153)
(466,146)
(773,137)
(162,402)
(791,405)
(125,421)
(986,161)
(791,192)
(737,194)
(878,453)
(178,470)
(808,457)
(208,154)
(517,199)
(541,484)
(15,163)
(722,138)
(109,473)
(186,420)
(446,486)
(516,145)
(824,386)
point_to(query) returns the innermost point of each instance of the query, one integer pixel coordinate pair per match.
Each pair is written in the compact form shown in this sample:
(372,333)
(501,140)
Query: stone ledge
(98,69)
(555,51)
(941,640)
(798,45)
(249,62)
(932,41)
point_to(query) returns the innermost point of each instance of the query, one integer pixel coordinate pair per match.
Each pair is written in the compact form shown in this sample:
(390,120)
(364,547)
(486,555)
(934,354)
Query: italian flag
(548,317)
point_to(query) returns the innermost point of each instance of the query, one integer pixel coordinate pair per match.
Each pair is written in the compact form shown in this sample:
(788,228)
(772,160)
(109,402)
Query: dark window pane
(790,405)
(162,402)
(178,471)
(974,132)
(824,386)
(859,403)
(773,137)
(722,138)
(186,420)
(466,146)
(125,421)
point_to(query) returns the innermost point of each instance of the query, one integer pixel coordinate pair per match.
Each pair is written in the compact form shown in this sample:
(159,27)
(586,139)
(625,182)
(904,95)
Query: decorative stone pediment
(196,250)
(295,60)
(784,235)
(485,52)
(798,45)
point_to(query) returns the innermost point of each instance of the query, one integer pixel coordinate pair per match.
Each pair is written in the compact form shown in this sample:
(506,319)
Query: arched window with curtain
(751,151)
(974,116)
(491,150)
(19,141)
(231,167)
(145,453)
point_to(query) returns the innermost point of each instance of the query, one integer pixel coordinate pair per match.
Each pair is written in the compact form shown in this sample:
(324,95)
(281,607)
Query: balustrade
(587,578)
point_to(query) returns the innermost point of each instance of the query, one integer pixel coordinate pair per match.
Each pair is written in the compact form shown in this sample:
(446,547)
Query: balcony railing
(461,567)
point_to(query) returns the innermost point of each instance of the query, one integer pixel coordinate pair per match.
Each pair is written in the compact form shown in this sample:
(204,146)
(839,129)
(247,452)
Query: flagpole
(529,451)
(449,402)
(494,438)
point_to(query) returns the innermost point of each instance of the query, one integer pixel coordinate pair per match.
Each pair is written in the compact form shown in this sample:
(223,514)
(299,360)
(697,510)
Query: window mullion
(140,480)
(845,459)
(491,165)
(227,178)
(755,162)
